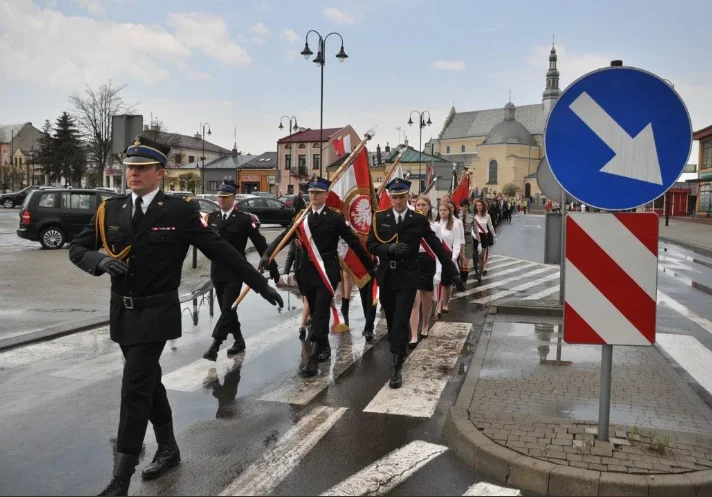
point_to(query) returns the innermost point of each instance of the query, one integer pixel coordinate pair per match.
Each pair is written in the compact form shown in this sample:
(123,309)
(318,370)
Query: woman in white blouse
(426,277)
(483,226)
(451,238)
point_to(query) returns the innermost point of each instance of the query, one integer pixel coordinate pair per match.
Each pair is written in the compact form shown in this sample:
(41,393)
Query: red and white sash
(427,249)
(315,256)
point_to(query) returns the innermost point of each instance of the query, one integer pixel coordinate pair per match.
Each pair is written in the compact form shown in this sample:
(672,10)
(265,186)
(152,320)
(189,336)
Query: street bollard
(211,302)
(195,257)
(195,311)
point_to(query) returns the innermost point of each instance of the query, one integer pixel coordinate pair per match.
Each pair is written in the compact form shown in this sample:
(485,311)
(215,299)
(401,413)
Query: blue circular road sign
(618,138)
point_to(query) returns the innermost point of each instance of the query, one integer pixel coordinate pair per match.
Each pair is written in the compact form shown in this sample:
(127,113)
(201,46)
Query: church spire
(552,91)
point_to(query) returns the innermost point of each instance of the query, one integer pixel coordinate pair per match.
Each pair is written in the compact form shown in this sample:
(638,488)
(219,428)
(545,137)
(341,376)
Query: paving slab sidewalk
(692,235)
(527,415)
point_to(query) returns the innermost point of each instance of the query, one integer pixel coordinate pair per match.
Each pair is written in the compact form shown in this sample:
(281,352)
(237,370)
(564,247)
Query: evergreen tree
(46,151)
(69,155)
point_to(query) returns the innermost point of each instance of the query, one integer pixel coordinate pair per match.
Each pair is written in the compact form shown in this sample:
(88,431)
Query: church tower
(552,92)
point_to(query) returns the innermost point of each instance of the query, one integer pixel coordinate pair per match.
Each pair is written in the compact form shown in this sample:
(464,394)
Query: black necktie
(224,217)
(399,223)
(138,213)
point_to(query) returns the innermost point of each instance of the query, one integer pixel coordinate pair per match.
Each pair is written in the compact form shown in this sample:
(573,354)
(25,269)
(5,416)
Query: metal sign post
(124,130)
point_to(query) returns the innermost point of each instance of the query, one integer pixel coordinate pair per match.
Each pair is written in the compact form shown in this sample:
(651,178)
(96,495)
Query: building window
(447,150)
(707,155)
(287,161)
(462,149)
(301,145)
(290,189)
(288,146)
(213,186)
(493,171)
(178,158)
(316,145)
(316,161)
(302,162)
(191,159)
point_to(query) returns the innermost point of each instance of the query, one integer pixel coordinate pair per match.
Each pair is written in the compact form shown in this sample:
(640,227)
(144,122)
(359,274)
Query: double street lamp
(421,124)
(320,60)
(292,126)
(202,169)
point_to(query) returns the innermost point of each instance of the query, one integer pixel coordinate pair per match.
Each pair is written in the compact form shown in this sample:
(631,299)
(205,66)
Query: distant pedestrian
(299,203)
(485,236)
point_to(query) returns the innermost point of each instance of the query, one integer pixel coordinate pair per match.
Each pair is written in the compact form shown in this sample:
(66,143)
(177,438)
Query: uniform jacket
(326,229)
(238,227)
(158,250)
(401,272)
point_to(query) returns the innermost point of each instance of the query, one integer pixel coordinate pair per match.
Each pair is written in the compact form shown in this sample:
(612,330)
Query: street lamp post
(320,60)
(202,169)
(421,124)
(291,152)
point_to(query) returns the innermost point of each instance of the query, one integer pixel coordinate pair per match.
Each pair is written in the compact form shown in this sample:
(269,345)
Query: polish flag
(351,194)
(385,201)
(343,146)
(462,192)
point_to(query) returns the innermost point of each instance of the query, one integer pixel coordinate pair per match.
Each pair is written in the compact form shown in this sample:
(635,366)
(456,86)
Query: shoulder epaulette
(335,210)
(188,199)
(381,210)
(117,196)
(418,212)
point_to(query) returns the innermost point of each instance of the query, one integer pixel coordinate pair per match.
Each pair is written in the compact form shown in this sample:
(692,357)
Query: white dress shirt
(147,199)
(400,215)
(226,214)
(318,211)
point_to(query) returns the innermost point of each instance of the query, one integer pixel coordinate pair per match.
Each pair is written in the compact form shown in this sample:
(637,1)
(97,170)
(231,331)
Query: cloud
(498,27)
(571,64)
(291,55)
(260,29)
(258,41)
(450,65)
(264,7)
(290,35)
(209,34)
(93,6)
(338,16)
(199,76)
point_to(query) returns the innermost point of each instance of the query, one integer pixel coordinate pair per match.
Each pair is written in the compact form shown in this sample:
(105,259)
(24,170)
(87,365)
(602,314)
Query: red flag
(342,145)
(385,201)
(351,194)
(462,191)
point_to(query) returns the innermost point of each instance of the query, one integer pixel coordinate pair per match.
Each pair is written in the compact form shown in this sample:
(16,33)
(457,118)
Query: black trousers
(143,396)
(227,293)
(398,304)
(369,310)
(319,299)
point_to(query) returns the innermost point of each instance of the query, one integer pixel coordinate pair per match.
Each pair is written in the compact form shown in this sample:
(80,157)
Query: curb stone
(688,245)
(541,477)
(553,310)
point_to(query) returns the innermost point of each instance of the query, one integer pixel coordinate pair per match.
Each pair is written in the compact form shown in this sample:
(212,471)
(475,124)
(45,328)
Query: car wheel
(52,238)
(8,203)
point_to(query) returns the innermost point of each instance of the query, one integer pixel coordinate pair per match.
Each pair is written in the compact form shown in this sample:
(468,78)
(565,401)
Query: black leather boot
(124,467)
(345,310)
(325,351)
(167,456)
(238,347)
(312,367)
(212,353)
(397,367)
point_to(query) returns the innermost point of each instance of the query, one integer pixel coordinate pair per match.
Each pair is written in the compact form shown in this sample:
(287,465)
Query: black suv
(55,216)
(10,200)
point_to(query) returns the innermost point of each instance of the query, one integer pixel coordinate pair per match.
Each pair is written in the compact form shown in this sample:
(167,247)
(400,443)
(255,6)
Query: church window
(462,149)
(493,171)
(448,149)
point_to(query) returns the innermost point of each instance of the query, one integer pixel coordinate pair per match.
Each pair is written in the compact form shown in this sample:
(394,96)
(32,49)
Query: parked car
(205,206)
(263,195)
(269,210)
(10,200)
(181,194)
(54,216)
(208,196)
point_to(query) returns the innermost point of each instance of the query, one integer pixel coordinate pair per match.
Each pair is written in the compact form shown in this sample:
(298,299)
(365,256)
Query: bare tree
(158,132)
(93,112)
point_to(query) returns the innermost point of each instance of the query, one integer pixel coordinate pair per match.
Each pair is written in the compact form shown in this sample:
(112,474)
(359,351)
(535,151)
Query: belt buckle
(393,264)
(128,302)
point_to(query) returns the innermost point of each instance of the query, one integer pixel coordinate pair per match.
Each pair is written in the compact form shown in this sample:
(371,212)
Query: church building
(500,146)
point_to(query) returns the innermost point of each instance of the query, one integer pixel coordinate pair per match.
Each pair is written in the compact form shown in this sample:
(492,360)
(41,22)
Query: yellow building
(500,146)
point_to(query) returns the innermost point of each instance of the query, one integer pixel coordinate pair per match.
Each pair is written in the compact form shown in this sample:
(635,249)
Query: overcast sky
(236,63)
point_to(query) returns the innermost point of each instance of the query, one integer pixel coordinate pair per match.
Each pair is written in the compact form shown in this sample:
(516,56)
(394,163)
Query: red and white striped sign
(611,278)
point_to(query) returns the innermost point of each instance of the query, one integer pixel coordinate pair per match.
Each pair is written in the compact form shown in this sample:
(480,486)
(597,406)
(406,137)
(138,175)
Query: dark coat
(299,203)
(326,229)
(237,229)
(158,249)
(414,228)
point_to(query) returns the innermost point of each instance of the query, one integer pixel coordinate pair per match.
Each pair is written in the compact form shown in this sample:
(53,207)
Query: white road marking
(31,353)
(390,471)
(262,477)
(706,324)
(425,373)
(503,264)
(502,282)
(189,378)
(544,293)
(487,489)
(348,349)
(520,288)
(692,355)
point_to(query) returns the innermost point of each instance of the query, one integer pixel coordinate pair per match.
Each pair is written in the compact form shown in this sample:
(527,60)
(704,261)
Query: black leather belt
(409,264)
(150,301)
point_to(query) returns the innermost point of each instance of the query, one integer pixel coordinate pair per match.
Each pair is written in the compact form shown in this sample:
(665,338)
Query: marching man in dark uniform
(146,236)
(395,239)
(319,268)
(235,227)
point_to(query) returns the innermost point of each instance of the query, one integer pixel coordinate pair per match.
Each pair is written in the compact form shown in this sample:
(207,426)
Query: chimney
(405,142)
(145,127)
(234,152)
(379,160)
(388,147)
(198,136)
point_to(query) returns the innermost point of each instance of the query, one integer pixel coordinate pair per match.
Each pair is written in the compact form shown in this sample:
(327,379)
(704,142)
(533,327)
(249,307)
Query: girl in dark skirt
(426,273)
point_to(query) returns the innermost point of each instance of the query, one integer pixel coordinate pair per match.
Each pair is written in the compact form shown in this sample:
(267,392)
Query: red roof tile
(310,135)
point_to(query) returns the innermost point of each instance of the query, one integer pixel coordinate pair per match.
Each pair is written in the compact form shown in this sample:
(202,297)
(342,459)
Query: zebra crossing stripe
(704,323)
(520,288)
(387,473)
(501,282)
(425,373)
(544,293)
(491,275)
(487,489)
(262,477)
(691,354)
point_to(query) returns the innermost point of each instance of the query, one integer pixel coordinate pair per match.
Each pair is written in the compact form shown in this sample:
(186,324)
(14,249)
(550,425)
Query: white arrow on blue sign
(618,138)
